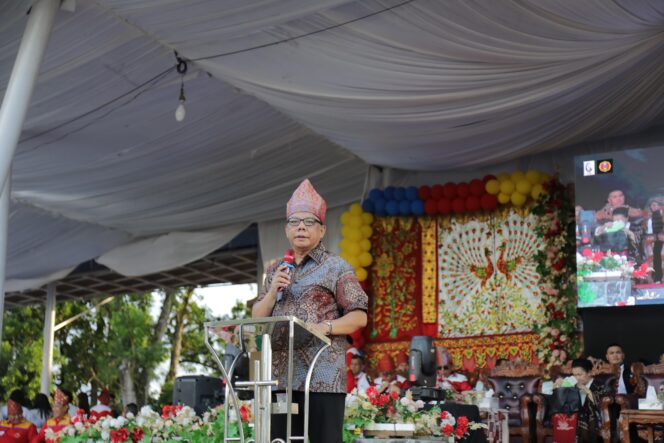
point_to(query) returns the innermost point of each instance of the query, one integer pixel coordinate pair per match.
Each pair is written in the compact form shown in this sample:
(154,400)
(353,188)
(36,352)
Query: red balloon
(444,206)
(424,192)
(459,205)
(463,190)
(488,202)
(450,190)
(431,207)
(437,192)
(477,188)
(473,203)
(488,177)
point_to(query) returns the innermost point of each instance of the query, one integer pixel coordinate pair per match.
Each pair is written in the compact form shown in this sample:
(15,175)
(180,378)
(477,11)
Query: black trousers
(326,418)
(657,261)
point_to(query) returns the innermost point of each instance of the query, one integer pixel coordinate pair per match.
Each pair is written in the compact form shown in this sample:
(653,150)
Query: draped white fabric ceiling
(282,89)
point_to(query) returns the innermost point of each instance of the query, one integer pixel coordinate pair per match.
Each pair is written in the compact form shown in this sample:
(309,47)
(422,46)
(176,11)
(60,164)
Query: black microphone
(289,260)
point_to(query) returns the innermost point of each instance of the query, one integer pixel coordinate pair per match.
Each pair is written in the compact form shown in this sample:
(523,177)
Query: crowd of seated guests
(23,421)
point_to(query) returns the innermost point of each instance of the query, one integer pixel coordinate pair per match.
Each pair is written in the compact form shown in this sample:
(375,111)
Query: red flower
(394,395)
(120,435)
(444,415)
(80,411)
(137,435)
(462,421)
(170,410)
(447,430)
(245,413)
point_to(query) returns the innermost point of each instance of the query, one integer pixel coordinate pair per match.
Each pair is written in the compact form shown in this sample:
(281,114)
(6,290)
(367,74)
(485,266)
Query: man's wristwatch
(329,328)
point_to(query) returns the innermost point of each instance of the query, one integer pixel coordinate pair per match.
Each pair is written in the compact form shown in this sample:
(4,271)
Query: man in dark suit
(616,356)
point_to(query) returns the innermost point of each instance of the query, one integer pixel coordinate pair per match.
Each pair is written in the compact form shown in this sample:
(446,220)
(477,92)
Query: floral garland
(555,265)
(364,408)
(175,424)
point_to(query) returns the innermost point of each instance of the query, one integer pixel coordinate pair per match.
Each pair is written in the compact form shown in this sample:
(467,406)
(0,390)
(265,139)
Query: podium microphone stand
(258,338)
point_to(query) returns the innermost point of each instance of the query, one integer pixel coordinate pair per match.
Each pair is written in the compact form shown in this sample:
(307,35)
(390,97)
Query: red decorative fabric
(306,199)
(564,428)
(394,305)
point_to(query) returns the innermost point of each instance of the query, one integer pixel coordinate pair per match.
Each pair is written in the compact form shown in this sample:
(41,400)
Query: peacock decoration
(488,282)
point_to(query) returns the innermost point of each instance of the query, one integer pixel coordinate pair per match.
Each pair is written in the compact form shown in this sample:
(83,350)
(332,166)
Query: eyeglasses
(309,221)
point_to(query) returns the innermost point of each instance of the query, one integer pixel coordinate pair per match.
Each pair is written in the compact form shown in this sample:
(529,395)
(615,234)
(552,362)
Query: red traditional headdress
(385,364)
(60,398)
(402,357)
(306,199)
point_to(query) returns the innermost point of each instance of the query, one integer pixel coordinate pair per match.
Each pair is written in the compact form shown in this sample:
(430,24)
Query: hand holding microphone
(282,277)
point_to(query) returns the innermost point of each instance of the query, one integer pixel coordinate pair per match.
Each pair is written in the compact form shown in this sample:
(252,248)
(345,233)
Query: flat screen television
(619,227)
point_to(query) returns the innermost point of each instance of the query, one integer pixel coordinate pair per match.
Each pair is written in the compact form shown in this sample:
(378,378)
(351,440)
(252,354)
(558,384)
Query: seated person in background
(448,379)
(615,236)
(130,408)
(60,417)
(16,428)
(388,380)
(361,380)
(589,418)
(655,235)
(102,408)
(402,364)
(616,356)
(616,199)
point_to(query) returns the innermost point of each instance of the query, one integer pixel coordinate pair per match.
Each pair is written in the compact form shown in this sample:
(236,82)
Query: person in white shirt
(102,408)
(356,367)
(388,380)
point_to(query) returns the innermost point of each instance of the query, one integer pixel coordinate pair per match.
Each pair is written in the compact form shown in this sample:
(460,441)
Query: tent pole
(4,222)
(23,79)
(49,330)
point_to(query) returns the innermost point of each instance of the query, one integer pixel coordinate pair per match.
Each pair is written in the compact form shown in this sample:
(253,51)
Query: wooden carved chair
(514,385)
(645,376)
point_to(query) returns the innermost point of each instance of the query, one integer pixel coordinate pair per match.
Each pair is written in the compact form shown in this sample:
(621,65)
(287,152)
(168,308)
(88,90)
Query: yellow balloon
(344,244)
(366,231)
(353,249)
(518,199)
(503,177)
(365,259)
(354,234)
(362,274)
(536,191)
(355,221)
(523,186)
(345,231)
(507,187)
(355,209)
(503,199)
(517,175)
(533,176)
(353,261)
(492,187)
(345,255)
(365,245)
(345,218)
(367,218)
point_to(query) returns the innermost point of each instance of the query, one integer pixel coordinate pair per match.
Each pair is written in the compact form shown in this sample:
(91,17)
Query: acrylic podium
(257,338)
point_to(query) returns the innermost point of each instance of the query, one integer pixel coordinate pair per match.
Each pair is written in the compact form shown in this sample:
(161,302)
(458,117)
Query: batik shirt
(323,287)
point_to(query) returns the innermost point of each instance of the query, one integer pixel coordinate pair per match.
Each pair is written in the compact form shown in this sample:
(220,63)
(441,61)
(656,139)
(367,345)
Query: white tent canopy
(279,90)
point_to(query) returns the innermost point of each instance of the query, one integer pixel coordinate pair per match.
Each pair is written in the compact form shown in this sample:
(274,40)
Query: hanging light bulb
(181,112)
(181,68)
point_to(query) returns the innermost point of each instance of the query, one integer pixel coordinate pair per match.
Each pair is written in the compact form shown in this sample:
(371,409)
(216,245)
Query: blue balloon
(417,207)
(389,193)
(375,194)
(411,193)
(379,207)
(400,193)
(392,207)
(368,206)
(404,207)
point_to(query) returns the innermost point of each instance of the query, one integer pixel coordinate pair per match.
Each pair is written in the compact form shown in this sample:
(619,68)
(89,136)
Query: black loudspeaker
(200,392)
(422,362)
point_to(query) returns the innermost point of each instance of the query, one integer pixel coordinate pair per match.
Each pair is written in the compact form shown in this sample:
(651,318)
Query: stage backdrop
(469,281)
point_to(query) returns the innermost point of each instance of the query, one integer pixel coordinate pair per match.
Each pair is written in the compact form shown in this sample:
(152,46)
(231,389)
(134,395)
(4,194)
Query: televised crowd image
(619,239)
